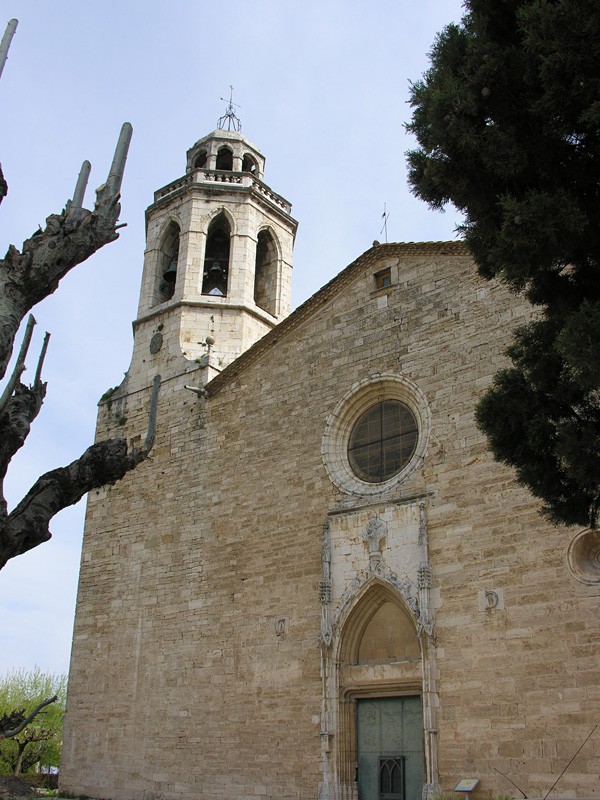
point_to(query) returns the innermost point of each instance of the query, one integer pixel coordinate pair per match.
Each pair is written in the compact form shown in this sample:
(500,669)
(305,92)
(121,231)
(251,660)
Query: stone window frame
(383,279)
(359,398)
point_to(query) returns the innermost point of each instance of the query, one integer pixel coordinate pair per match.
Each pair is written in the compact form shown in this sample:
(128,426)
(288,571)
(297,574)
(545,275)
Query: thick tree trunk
(19,761)
(28,524)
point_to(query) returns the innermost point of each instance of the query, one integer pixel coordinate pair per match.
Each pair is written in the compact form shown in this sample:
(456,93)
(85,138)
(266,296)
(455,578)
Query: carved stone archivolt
(355,589)
(371,557)
(395,539)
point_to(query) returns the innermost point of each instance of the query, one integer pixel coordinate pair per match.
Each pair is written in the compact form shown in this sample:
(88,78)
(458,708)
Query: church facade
(321,584)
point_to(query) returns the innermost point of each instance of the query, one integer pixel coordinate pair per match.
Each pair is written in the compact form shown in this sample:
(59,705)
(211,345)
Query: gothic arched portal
(378,702)
(379,629)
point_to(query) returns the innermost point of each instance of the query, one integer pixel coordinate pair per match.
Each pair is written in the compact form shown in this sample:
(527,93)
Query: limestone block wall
(165,640)
(196,666)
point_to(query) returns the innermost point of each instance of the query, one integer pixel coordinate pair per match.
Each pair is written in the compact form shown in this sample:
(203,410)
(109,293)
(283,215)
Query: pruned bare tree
(27,277)
(13,723)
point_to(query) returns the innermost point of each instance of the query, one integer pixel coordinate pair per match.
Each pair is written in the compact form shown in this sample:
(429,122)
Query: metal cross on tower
(229,118)
(384,217)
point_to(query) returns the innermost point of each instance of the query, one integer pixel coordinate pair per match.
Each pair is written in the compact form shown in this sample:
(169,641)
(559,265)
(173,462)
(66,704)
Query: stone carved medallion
(156,343)
(583,556)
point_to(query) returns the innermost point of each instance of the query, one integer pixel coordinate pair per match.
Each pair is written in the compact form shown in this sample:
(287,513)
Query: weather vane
(229,118)
(384,217)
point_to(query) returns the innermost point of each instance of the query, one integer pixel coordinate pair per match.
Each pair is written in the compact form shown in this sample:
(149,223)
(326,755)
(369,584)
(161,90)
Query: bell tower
(218,260)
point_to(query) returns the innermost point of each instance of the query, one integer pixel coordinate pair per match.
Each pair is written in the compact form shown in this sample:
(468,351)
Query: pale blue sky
(322,87)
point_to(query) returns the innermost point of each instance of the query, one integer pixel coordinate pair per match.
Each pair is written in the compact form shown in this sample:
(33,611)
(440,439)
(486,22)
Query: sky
(321,87)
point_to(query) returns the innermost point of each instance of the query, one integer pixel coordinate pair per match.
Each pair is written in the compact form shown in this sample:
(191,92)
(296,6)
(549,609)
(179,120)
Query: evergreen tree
(508,123)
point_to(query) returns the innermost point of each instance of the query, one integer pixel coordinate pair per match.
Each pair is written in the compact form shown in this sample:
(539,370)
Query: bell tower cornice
(218,184)
(212,171)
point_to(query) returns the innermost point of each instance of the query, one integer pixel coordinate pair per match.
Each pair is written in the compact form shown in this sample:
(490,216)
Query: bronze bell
(170,273)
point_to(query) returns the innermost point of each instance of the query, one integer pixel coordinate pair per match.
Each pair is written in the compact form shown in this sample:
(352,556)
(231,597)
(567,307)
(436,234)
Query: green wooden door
(390,748)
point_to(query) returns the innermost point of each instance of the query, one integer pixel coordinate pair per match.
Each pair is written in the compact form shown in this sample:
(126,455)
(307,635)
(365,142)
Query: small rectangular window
(383,279)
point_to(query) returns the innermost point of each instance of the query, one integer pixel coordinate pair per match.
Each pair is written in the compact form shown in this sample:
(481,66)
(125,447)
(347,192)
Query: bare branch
(68,239)
(22,408)
(6,40)
(4,46)
(105,462)
(19,365)
(80,186)
(19,405)
(27,277)
(8,733)
(40,364)
(28,525)
(117,168)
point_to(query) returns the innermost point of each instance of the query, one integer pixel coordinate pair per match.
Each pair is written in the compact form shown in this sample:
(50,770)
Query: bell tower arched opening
(167,263)
(216,257)
(249,164)
(201,159)
(265,273)
(225,159)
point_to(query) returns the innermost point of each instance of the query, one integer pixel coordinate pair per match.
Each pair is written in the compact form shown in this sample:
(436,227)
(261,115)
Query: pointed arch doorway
(381,749)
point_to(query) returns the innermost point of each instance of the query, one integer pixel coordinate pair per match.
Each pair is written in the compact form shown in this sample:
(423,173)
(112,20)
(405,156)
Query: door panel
(390,728)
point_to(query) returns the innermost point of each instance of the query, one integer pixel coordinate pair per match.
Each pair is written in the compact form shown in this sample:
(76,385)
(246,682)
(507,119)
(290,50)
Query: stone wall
(198,653)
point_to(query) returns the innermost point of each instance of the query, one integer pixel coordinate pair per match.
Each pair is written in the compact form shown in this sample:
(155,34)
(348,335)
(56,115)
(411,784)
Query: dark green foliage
(508,123)
(541,419)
